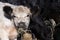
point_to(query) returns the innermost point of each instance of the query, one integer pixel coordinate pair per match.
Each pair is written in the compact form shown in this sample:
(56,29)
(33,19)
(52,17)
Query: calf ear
(7,11)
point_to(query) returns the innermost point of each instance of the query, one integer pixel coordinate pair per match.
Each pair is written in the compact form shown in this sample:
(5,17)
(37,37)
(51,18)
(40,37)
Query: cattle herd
(29,20)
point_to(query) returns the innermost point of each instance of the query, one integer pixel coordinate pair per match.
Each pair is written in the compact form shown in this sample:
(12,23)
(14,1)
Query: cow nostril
(21,24)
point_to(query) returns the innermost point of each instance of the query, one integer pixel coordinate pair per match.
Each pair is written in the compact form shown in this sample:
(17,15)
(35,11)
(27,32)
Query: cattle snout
(22,25)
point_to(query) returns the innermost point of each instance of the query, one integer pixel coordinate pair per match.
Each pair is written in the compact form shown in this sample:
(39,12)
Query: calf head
(21,15)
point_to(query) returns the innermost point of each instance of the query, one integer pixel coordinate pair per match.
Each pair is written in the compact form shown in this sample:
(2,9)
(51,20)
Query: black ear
(7,11)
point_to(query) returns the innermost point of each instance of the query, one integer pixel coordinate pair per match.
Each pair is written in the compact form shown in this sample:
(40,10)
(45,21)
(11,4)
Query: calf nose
(21,25)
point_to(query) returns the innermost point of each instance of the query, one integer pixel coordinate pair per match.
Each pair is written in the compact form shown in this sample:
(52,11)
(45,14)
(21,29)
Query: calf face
(21,16)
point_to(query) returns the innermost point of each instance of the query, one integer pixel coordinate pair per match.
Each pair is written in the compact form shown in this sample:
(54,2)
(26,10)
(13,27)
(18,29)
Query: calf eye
(14,16)
(28,15)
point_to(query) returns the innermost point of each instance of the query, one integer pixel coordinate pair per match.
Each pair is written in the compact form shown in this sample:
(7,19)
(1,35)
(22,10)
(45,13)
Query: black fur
(38,27)
(7,11)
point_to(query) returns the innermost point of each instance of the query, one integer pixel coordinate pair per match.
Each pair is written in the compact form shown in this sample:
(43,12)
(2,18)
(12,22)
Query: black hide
(7,11)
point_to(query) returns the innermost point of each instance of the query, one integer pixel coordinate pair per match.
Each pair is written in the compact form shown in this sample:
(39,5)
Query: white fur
(20,13)
(7,29)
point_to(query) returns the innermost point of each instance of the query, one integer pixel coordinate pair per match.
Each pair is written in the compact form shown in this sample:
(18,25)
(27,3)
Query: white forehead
(21,11)
(21,14)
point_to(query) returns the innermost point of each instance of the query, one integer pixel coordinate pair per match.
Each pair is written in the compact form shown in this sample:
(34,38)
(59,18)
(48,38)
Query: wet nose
(21,25)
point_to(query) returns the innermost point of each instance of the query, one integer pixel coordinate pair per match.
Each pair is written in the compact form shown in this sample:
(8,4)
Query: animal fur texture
(7,28)
(22,16)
